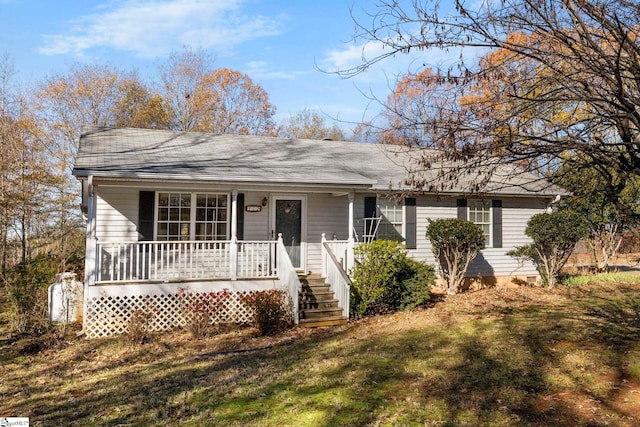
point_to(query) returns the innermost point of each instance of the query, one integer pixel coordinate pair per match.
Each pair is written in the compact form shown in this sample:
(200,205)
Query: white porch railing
(256,259)
(337,260)
(288,276)
(339,248)
(184,260)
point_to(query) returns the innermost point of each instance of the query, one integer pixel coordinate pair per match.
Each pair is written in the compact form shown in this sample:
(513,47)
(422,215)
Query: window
(480,214)
(177,220)
(174,216)
(390,227)
(211,217)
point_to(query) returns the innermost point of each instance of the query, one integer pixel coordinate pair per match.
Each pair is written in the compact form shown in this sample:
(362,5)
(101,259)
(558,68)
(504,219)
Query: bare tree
(182,83)
(91,94)
(7,70)
(562,85)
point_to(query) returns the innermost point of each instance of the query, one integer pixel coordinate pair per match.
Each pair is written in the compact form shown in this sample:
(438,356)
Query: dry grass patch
(517,356)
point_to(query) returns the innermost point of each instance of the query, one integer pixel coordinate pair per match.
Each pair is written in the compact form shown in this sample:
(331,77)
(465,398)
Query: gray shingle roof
(159,154)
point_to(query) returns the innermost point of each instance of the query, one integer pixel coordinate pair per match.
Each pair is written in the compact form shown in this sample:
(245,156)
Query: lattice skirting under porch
(107,314)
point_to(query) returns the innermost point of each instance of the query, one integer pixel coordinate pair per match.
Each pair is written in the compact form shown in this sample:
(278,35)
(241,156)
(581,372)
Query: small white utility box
(66,297)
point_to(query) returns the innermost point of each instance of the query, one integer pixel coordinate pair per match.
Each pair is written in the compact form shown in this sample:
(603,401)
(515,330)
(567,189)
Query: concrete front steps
(317,304)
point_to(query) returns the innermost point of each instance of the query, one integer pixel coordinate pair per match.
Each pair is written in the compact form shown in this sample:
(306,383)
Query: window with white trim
(211,217)
(390,227)
(174,216)
(176,220)
(479,213)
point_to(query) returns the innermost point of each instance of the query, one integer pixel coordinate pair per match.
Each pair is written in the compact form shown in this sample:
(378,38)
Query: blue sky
(279,44)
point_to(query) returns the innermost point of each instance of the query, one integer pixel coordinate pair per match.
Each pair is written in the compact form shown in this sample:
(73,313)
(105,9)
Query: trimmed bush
(555,236)
(387,280)
(455,243)
(417,281)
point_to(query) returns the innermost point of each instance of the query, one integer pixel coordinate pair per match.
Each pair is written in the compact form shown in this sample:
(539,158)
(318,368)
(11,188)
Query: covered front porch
(149,277)
(124,275)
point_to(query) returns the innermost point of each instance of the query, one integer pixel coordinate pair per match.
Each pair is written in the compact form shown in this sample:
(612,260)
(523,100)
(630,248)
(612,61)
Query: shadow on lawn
(493,371)
(618,321)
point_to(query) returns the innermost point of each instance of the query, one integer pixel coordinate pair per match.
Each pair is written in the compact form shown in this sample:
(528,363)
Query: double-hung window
(174,216)
(192,216)
(390,227)
(479,212)
(211,217)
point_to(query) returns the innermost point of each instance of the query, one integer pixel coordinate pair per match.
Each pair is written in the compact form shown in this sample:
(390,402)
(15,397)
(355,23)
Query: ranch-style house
(186,210)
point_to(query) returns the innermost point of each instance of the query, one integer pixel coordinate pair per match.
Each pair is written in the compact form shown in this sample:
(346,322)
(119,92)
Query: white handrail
(335,274)
(288,276)
(340,249)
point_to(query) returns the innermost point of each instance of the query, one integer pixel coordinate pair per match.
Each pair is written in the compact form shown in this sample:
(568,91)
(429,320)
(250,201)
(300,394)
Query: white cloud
(155,27)
(262,70)
(389,69)
(352,56)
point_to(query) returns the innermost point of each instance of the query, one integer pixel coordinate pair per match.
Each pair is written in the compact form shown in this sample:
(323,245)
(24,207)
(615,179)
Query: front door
(288,220)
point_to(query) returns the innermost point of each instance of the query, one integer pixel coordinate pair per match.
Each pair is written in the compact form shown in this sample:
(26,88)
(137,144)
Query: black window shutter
(146,208)
(461,204)
(240,216)
(496,206)
(370,207)
(410,231)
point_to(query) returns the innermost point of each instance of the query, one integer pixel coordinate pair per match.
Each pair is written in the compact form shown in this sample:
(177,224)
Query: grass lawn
(499,357)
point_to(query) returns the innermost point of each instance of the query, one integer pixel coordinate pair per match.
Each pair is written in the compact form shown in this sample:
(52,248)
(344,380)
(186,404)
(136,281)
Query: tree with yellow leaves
(200,98)
(309,124)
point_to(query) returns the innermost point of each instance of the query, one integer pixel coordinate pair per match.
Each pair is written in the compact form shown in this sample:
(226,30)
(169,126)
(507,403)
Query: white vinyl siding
(428,207)
(117,214)
(491,261)
(515,215)
(326,214)
(256,224)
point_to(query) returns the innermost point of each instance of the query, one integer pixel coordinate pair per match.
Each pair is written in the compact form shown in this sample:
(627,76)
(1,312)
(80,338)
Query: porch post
(91,241)
(90,267)
(323,257)
(350,244)
(233,245)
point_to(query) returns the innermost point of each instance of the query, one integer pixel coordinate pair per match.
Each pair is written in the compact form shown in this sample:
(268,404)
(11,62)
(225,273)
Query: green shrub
(271,310)
(455,243)
(554,236)
(417,284)
(387,280)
